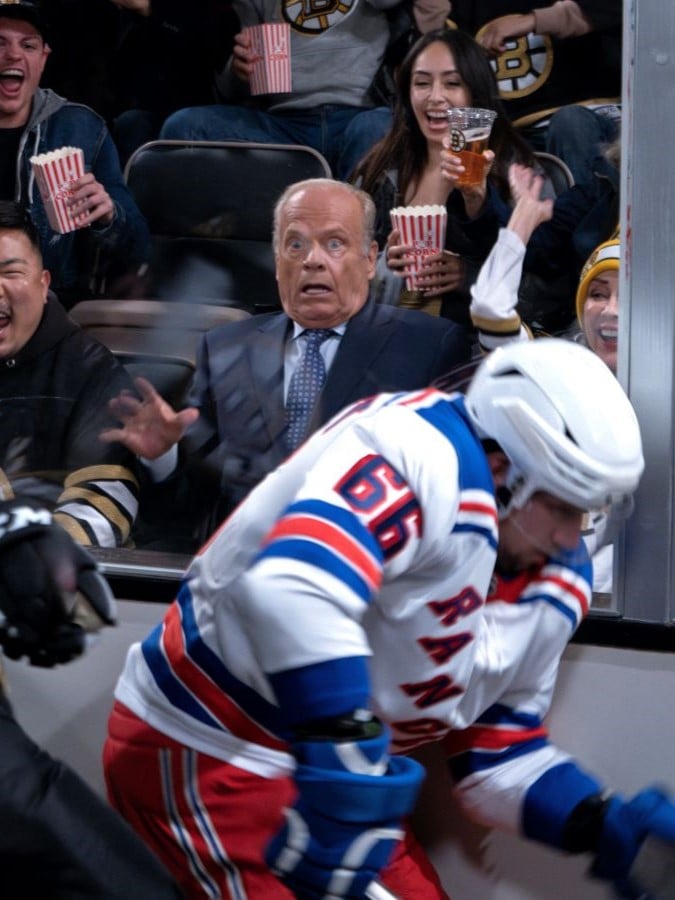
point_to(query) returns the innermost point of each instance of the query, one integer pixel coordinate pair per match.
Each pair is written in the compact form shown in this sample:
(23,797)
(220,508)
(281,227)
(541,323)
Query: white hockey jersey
(379,532)
(356,575)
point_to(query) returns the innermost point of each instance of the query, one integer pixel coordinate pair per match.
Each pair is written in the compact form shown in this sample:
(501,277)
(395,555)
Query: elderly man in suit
(265,383)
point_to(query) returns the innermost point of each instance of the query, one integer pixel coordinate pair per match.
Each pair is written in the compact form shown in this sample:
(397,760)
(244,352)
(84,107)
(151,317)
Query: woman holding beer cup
(413,165)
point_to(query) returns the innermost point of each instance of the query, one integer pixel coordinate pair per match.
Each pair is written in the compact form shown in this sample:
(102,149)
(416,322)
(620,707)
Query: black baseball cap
(25,11)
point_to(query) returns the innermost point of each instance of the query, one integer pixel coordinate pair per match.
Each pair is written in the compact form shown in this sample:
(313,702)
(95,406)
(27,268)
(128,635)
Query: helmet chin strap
(503,496)
(509,495)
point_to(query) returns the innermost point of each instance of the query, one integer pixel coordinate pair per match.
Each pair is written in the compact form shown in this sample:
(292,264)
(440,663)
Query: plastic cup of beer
(470,129)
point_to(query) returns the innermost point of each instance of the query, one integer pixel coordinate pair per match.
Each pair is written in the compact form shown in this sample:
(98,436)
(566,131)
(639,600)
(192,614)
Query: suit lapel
(266,371)
(366,334)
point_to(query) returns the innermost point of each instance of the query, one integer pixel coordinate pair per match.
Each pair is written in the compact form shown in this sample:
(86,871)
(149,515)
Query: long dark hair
(404,147)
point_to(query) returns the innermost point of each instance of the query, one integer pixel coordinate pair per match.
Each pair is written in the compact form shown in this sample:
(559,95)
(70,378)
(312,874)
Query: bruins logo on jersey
(315,16)
(524,66)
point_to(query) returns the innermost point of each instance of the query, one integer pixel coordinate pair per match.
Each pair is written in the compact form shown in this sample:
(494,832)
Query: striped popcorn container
(271,45)
(423,229)
(54,173)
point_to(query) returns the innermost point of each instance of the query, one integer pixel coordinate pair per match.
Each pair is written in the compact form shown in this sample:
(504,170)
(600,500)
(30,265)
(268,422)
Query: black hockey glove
(51,593)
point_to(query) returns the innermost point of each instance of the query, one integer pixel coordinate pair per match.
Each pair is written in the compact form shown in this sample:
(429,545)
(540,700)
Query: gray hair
(364,199)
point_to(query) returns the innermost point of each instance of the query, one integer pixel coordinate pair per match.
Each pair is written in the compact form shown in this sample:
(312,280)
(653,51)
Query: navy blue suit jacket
(238,387)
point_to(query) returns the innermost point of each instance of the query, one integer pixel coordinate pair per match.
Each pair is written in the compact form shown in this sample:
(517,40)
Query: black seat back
(210,208)
(558,175)
(155,339)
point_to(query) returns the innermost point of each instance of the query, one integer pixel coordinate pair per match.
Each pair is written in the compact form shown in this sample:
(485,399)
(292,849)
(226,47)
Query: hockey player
(58,839)
(347,612)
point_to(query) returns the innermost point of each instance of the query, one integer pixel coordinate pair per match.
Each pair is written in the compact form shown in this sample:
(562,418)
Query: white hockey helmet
(562,419)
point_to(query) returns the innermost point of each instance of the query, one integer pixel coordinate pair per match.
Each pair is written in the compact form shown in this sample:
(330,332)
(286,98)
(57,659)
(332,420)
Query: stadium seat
(558,176)
(153,338)
(210,207)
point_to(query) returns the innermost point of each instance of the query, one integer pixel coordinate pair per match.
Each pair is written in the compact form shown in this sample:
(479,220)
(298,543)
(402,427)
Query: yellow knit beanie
(606,256)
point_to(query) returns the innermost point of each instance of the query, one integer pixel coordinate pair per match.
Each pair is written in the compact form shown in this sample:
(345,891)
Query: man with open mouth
(112,237)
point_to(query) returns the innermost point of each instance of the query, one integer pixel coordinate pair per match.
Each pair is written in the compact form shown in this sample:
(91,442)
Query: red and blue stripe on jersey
(501,733)
(352,549)
(332,540)
(563,582)
(196,681)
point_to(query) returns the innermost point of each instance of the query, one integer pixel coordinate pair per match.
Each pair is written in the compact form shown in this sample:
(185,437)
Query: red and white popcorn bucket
(423,229)
(54,173)
(271,45)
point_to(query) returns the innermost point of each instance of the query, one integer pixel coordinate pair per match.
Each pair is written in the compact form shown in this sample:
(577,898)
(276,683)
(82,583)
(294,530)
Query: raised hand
(530,210)
(150,426)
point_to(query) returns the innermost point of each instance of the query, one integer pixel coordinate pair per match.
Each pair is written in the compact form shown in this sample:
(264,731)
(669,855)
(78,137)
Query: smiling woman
(409,166)
(598,301)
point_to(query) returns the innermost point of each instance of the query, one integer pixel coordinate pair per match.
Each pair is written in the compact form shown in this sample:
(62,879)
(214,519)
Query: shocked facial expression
(323,265)
(542,528)
(601,317)
(23,291)
(23,55)
(435,86)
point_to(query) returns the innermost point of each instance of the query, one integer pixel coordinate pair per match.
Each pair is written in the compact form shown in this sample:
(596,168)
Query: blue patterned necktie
(305,386)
